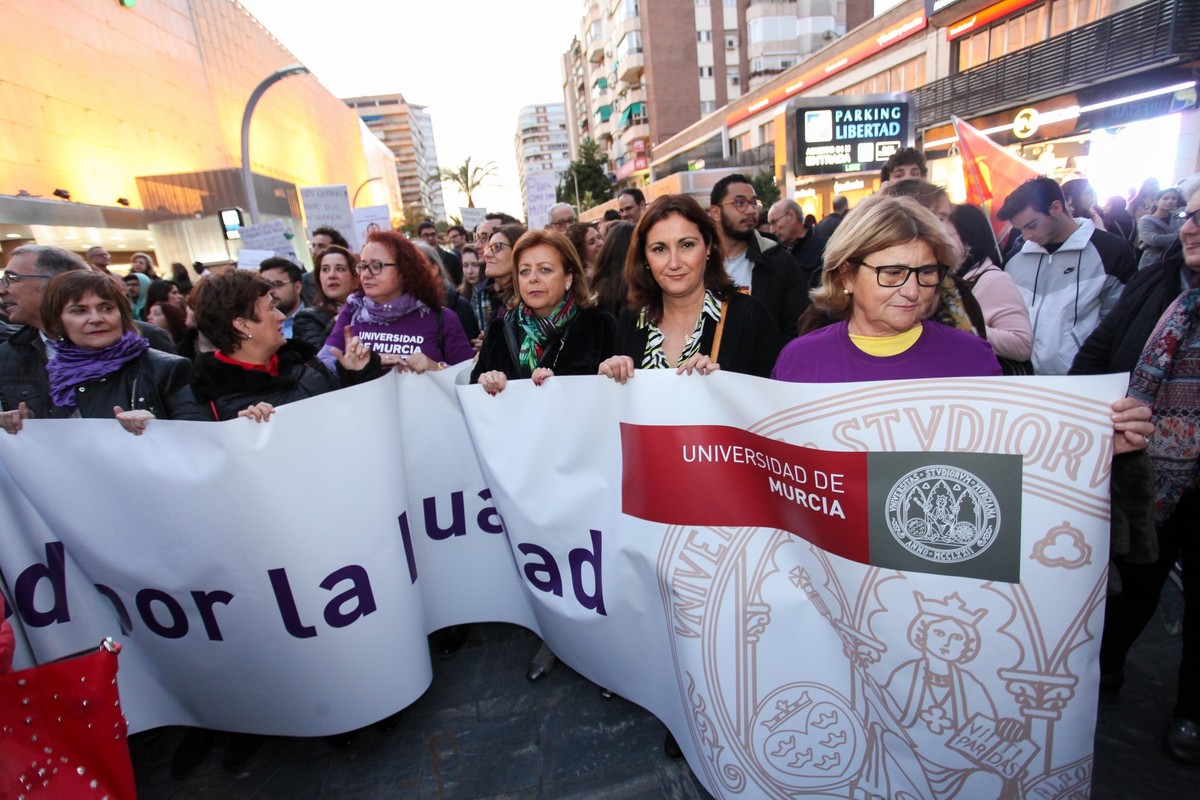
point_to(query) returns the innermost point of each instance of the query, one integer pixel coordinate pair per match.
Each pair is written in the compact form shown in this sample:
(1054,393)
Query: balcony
(1147,35)
(635,130)
(631,67)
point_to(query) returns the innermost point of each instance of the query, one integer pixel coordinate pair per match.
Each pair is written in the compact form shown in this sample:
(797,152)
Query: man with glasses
(286,280)
(427,232)
(786,219)
(562,216)
(99,258)
(24,384)
(759,267)
(1069,273)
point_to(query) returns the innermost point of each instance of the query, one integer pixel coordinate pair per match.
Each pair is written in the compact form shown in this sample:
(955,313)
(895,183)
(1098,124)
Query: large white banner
(662,536)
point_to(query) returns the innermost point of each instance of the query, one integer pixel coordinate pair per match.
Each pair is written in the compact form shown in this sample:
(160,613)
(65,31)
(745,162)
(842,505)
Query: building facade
(1104,89)
(407,130)
(542,144)
(144,159)
(641,71)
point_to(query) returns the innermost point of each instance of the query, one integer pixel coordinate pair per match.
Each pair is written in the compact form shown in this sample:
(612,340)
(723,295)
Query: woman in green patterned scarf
(553,326)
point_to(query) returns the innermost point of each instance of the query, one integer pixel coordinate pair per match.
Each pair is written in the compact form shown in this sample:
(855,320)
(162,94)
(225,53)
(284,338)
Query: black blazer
(750,343)
(585,342)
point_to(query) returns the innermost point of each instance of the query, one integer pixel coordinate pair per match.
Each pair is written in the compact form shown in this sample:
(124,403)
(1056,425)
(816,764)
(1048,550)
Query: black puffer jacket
(1117,343)
(778,282)
(312,325)
(587,341)
(220,390)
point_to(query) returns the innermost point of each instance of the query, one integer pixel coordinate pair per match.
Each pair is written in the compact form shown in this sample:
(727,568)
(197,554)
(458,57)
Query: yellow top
(883,346)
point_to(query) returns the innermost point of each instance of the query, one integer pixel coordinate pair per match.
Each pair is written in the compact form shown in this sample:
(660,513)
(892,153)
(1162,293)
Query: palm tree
(468,178)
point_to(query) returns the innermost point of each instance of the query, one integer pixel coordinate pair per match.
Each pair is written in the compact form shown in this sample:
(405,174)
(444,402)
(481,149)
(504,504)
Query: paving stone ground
(483,732)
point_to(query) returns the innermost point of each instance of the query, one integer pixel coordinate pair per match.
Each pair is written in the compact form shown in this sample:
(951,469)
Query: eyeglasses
(742,204)
(562,223)
(891,276)
(779,219)
(373,267)
(495,247)
(8,277)
(278,284)
(1194,216)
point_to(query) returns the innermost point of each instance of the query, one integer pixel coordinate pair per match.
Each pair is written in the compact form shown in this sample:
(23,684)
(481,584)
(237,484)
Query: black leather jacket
(152,382)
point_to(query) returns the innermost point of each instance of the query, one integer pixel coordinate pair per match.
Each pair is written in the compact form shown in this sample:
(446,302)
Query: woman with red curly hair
(399,310)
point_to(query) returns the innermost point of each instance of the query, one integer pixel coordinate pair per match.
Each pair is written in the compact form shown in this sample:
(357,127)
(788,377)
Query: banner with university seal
(843,590)
(828,590)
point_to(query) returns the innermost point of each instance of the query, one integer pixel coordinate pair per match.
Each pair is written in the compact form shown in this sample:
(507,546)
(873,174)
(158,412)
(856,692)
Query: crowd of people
(904,285)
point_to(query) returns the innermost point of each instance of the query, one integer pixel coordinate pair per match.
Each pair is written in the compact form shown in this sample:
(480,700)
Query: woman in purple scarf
(98,364)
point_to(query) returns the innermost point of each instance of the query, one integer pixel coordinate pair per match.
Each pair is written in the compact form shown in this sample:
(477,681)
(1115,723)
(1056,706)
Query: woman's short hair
(220,299)
(875,224)
(644,291)
(415,278)
(319,298)
(70,287)
(149,263)
(566,254)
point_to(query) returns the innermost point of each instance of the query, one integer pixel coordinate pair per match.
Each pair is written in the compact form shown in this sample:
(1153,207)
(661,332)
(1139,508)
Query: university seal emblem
(943,513)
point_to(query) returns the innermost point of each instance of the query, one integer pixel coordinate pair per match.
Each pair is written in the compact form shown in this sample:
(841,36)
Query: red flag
(991,171)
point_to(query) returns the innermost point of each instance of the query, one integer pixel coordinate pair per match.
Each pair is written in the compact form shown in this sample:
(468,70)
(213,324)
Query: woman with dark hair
(181,278)
(399,311)
(163,292)
(1159,229)
(103,367)
(171,318)
(495,290)
(553,326)
(608,282)
(254,368)
(336,280)
(1009,331)
(684,312)
(587,239)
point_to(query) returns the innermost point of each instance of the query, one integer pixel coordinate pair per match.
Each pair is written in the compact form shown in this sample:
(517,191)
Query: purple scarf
(74,365)
(364,310)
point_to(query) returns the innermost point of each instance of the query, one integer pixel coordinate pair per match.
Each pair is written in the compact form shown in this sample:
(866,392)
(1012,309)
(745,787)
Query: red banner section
(718,475)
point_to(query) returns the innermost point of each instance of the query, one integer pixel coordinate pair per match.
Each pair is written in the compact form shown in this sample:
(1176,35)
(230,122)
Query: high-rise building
(407,130)
(542,143)
(640,71)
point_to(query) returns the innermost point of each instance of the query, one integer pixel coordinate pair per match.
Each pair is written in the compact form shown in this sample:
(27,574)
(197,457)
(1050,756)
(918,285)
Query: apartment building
(641,71)
(542,144)
(407,130)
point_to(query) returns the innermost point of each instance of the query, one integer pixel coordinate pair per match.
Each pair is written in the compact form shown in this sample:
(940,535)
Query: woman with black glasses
(399,310)
(883,267)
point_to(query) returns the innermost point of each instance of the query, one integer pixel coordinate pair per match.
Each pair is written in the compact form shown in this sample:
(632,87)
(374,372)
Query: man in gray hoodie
(1069,273)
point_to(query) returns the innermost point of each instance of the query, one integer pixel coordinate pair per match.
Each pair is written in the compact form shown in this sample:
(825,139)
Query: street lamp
(362,186)
(247,174)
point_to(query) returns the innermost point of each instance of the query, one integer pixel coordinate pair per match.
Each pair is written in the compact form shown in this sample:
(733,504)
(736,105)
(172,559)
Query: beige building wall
(94,94)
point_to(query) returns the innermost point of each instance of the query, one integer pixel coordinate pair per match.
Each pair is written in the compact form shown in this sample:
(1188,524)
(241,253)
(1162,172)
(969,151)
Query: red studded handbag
(62,734)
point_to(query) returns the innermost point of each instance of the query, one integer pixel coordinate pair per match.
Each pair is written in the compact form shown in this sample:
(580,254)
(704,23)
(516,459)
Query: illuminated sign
(855,133)
(984,16)
(847,186)
(231,222)
(1025,123)
(639,164)
(810,78)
